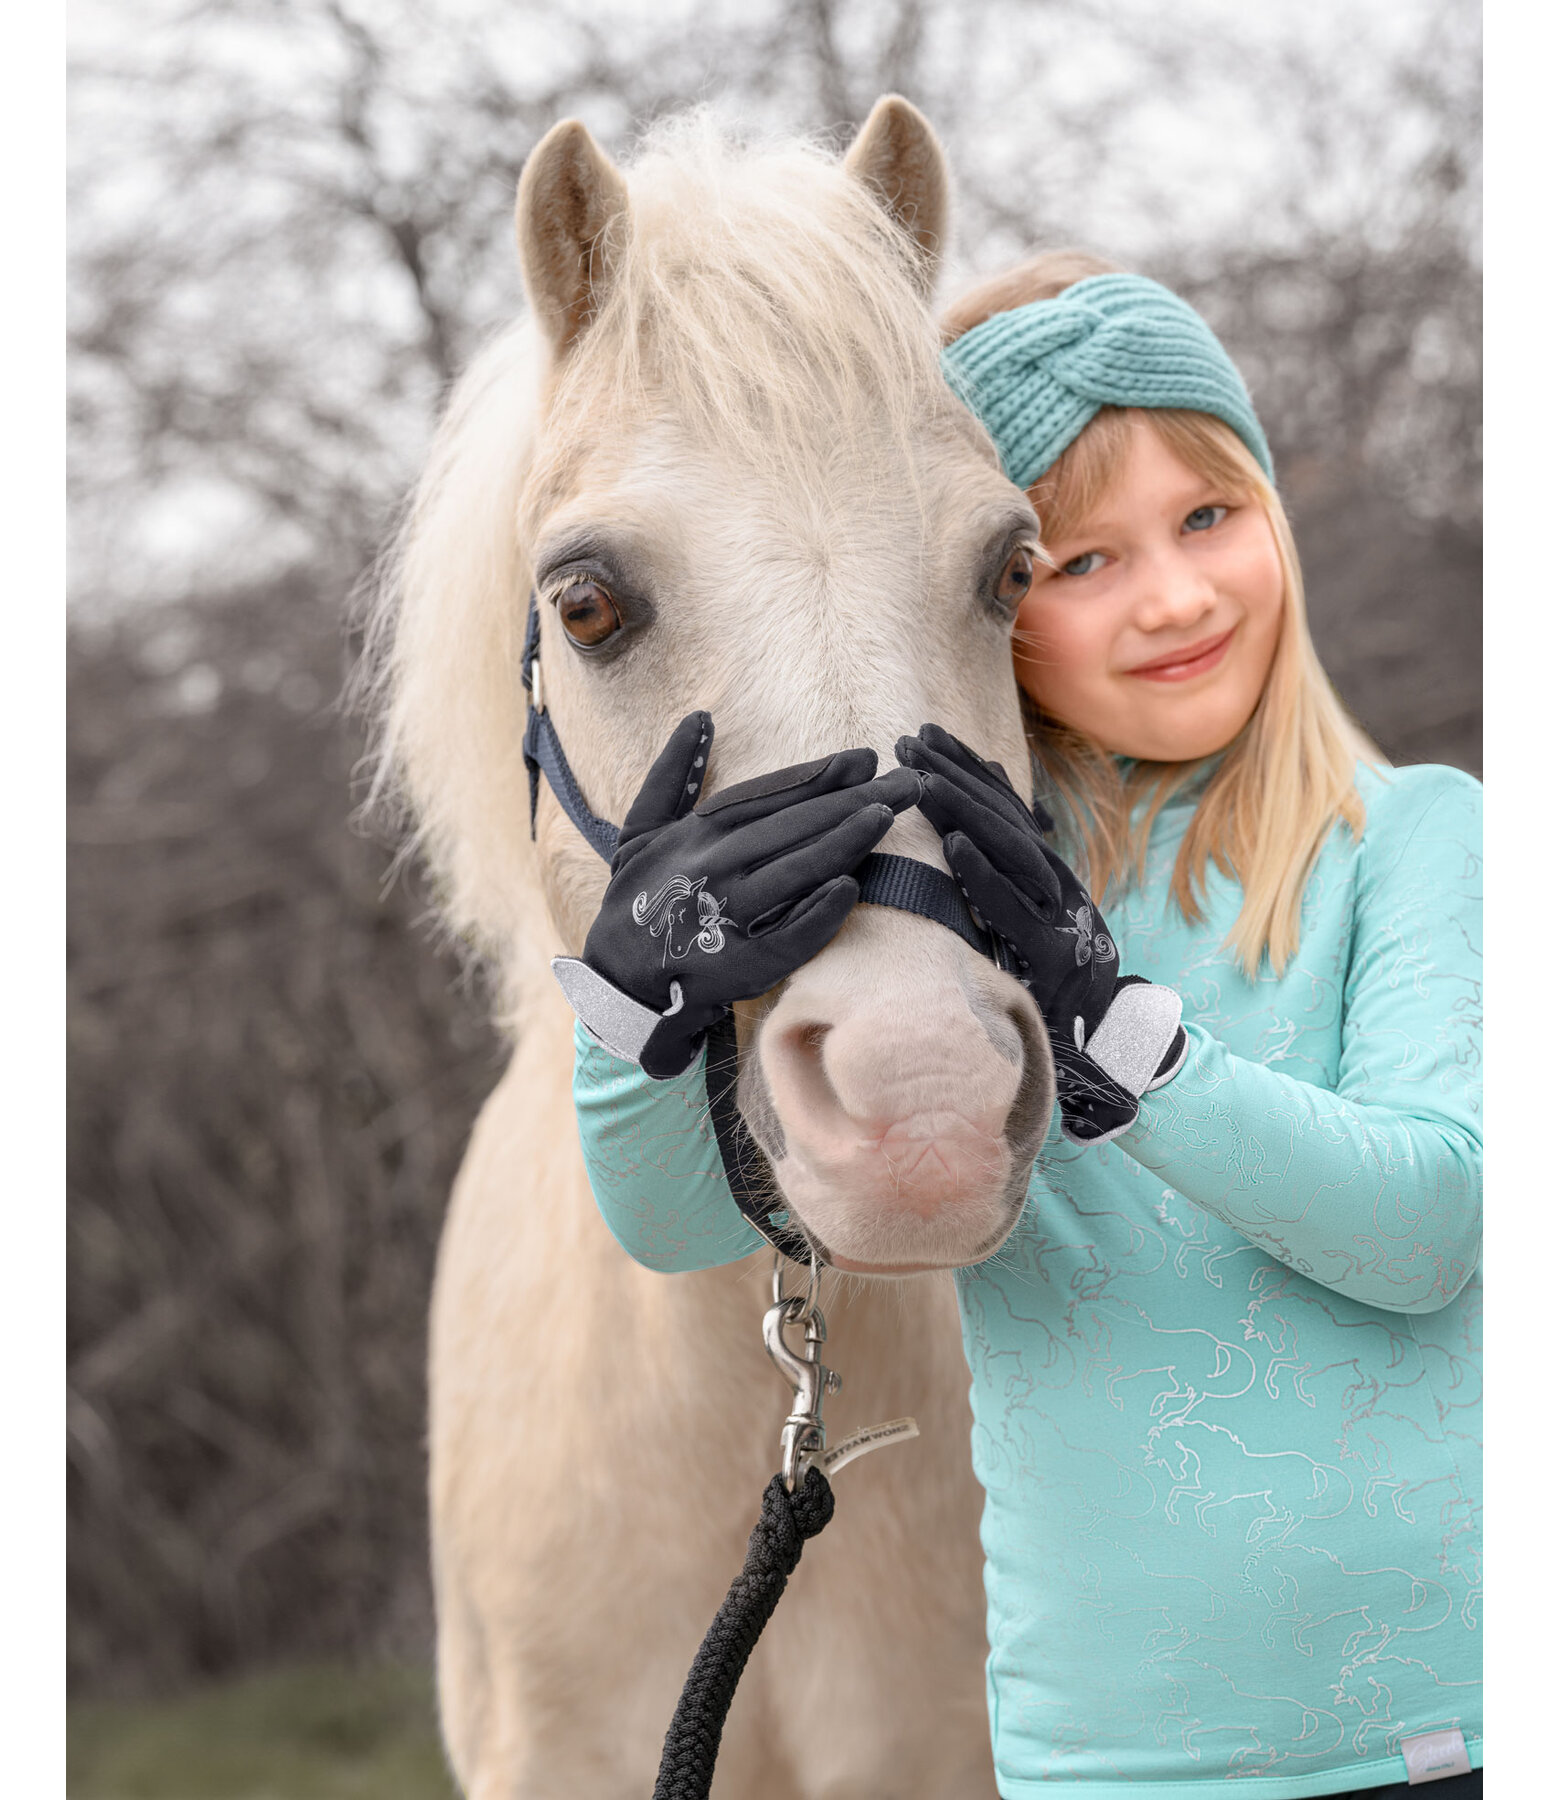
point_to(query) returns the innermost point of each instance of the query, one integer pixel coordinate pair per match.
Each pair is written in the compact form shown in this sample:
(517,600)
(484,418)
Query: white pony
(726,408)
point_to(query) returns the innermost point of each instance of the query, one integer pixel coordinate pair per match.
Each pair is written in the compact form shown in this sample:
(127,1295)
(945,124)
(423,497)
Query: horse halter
(897,881)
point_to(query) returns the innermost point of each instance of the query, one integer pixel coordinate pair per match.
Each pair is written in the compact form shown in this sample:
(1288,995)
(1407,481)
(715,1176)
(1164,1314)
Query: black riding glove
(718,903)
(1113,1036)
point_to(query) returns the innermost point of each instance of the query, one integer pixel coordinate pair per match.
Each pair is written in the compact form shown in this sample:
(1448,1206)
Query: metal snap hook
(802,1437)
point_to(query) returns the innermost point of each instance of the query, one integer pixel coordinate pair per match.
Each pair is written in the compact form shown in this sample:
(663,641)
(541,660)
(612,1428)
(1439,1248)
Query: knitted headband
(1038,374)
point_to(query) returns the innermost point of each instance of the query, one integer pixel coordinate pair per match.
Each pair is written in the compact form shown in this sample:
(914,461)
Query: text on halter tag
(870,1437)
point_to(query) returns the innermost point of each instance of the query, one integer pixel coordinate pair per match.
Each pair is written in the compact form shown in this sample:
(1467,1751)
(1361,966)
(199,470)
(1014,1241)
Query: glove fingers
(764,795)
(1015,851)
(759,841)
(766,896)
(994,796)
(998,900)
(805,930)
(955,751)
(673,781)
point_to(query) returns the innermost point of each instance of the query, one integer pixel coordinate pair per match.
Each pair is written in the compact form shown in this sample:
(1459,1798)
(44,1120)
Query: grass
(319,1733)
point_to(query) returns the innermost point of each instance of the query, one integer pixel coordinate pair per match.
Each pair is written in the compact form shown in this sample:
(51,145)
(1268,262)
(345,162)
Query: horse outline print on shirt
(661,913)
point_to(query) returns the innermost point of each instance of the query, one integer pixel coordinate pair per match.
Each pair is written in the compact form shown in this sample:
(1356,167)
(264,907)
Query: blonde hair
(1281,784)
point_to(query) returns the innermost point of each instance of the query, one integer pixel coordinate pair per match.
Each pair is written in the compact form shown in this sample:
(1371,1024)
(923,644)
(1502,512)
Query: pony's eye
(587,613)
(1015,580)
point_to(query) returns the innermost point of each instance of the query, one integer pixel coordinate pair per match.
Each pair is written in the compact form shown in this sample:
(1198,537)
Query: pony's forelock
(764,289)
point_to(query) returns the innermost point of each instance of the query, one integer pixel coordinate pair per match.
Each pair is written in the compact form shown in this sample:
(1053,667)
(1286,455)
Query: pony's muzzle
(909,1115)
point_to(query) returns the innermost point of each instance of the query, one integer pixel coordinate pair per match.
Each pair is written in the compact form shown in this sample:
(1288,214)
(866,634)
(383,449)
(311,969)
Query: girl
(1225,1371)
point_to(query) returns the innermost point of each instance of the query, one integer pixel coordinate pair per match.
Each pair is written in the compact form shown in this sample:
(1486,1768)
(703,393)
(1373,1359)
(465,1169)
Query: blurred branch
(271,1082)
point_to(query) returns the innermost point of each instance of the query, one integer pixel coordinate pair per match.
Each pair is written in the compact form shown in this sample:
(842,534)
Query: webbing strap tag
(1435,1756)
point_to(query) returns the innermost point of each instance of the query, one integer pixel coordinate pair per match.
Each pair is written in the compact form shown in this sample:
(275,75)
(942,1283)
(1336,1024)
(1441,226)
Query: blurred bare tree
(271,1084)
(290,227)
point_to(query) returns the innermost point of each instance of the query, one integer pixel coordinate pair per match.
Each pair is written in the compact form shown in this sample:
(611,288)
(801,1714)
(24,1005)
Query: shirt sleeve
(654,1164)
(1372,1189)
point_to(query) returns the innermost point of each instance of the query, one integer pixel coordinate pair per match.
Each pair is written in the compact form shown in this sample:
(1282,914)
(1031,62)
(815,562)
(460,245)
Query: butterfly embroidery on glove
(1089,943)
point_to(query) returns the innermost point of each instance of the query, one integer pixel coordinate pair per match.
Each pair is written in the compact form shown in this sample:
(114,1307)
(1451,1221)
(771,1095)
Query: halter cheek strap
(897,881)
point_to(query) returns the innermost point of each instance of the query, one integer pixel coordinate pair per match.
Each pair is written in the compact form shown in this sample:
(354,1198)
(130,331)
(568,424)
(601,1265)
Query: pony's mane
(756,292)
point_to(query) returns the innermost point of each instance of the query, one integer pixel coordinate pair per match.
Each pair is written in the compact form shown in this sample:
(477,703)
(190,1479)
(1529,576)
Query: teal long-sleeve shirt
(1226,1370)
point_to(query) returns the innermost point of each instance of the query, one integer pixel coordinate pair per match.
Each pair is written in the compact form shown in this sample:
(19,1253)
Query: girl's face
(1155,632)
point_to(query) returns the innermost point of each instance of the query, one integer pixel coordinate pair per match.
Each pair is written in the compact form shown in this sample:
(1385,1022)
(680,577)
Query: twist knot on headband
(1036,376)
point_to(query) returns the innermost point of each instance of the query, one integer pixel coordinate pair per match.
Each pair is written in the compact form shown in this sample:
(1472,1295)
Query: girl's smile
(1185,665)
(1155,631)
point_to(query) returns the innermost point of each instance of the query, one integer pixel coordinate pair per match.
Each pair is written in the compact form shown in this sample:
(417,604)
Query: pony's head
(725,411)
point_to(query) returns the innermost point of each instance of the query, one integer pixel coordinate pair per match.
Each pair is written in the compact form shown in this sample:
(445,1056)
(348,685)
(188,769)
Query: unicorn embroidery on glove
(665,911)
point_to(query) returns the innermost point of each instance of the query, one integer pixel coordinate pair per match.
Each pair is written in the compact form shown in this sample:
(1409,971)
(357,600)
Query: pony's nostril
(801,1077)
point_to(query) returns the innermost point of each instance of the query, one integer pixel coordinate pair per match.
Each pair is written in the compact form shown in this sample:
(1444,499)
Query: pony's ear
(901,159)
(568,197)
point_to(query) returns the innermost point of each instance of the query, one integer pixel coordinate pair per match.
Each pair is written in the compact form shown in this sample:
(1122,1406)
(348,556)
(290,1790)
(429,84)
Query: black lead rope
(798,1503)
(786,1522)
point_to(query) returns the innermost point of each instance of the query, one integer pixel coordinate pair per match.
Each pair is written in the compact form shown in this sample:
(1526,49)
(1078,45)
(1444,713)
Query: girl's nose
(1176,593)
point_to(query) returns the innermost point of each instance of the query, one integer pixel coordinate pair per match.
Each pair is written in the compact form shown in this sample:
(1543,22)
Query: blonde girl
(1225,1372)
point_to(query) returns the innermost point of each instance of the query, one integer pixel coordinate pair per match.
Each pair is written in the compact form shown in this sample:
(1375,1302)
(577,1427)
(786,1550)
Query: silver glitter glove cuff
(621,1025)
(1136,1034)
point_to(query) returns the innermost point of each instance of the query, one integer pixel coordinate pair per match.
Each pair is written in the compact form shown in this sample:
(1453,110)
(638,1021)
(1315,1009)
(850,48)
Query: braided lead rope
(786,1522)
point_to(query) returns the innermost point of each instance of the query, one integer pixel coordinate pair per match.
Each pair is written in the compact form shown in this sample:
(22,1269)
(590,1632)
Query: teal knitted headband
(1037,375)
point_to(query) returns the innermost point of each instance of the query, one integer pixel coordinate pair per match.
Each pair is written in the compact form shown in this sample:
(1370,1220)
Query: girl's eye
(1015,580)
(588,613)
(1204,517)
(1085,564)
